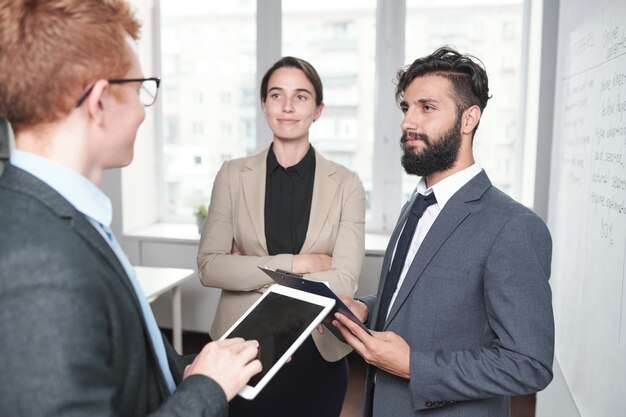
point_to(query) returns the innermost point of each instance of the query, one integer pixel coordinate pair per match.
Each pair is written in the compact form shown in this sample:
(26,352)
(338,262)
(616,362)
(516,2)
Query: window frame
(386,183)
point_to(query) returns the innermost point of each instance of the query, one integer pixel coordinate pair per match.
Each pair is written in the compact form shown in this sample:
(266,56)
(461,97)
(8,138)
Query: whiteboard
(587,209)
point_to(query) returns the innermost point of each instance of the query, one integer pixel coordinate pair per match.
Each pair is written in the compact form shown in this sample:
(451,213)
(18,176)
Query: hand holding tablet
(280,321)
(230,363)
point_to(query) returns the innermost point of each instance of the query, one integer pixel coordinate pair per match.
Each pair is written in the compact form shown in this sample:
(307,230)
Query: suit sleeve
(216,266)
(519,308)
(349,248)
(370,301)
(197,395)
(56,353)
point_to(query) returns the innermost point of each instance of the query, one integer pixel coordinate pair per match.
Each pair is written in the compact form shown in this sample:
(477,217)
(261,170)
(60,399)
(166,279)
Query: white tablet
(280,321)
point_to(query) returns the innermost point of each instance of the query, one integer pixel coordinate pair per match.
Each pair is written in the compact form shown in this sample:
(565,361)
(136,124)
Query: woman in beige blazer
(289,208)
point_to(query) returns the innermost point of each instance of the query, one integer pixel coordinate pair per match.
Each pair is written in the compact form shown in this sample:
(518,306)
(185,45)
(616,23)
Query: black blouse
(288,195)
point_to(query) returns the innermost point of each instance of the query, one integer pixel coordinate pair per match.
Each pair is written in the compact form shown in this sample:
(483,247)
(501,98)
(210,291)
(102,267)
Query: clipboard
(299,282)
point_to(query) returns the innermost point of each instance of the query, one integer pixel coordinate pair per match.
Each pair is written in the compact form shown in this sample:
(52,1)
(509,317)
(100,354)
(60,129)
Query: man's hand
(385,350)
(308,263)
(357,307)
(230,362)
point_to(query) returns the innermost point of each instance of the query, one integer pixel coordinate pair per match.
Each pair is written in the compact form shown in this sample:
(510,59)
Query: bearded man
(462,319)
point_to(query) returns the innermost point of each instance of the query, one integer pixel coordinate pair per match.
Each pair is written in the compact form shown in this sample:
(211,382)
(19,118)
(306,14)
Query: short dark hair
(292,62)
(466,73)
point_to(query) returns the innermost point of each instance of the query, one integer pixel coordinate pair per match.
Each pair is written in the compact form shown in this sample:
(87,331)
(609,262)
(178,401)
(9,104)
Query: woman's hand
(309,263)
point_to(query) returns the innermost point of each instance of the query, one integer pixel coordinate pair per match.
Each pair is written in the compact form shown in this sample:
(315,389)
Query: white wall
(556,400)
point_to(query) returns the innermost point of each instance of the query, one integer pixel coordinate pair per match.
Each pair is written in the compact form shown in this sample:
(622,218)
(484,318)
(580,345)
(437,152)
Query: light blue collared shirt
(87,198)
(75,188)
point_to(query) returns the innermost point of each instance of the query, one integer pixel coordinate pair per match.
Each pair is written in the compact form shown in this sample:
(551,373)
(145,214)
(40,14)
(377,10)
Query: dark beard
(438,155)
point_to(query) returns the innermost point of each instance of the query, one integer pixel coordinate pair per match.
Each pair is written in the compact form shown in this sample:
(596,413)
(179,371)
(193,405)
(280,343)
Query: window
(338,39)
(197,129)
(208,61)
(509,31)
(225,130)
(209,101)
(225,98)
(170,130)
(477,31)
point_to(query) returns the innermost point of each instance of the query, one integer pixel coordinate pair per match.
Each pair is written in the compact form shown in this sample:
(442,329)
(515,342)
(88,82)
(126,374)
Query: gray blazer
(475,308)
(73,341)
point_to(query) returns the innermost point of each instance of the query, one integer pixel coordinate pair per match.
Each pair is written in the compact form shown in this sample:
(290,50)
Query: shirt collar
(446,188)
(272,162)
(84,195)
(305,165)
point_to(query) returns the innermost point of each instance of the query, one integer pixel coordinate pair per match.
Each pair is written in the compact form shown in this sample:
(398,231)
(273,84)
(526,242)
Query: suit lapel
(78,223)
(93,238)
(253,183)
(97,242)
(253,180)
(324,191)
(39,190)
(453,214)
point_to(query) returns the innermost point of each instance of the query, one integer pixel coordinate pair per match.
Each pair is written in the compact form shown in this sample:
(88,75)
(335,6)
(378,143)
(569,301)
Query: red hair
(52,50)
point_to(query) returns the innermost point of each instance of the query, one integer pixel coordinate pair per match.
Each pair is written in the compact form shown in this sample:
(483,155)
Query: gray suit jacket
(73,340)
(475,308)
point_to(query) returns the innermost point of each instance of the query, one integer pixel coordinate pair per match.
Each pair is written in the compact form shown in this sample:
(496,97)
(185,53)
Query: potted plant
(200,211)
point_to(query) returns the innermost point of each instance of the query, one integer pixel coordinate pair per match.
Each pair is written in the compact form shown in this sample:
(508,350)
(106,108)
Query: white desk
(156,281)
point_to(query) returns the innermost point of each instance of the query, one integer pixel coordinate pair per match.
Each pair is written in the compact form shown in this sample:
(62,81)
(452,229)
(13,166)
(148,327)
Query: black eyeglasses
(147,92)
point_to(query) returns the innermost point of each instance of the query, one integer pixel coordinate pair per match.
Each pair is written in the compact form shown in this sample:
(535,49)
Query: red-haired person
(78,337)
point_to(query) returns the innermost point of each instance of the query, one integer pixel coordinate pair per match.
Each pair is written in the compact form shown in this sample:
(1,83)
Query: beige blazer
(236,220)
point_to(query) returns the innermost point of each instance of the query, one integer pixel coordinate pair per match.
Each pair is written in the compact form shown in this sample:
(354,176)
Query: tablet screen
(276,323)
